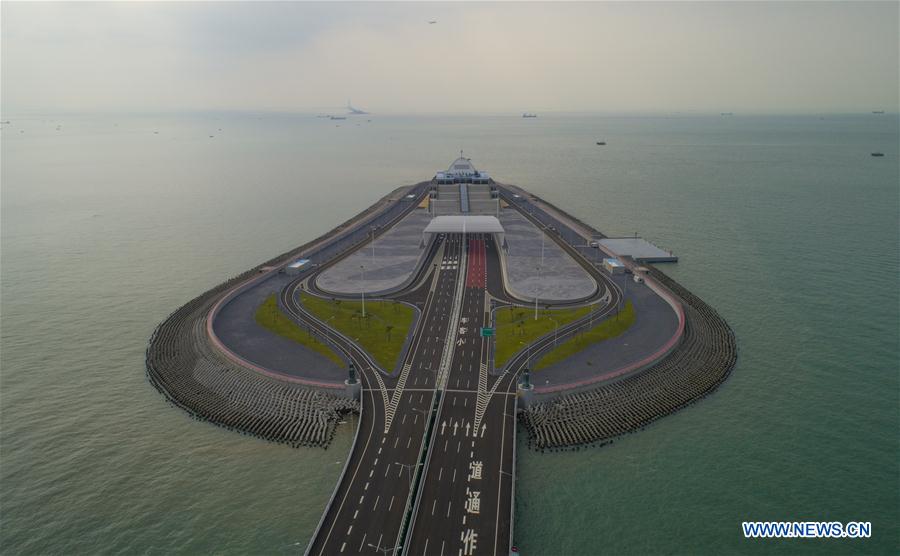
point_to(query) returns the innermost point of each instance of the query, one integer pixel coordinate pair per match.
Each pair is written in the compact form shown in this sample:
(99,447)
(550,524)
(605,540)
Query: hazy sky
(498,57)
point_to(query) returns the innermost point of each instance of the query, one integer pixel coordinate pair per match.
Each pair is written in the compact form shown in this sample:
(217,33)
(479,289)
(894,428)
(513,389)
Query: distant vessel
(877,154)
(878,111)
(354,111)
(726,113)
(338,117)
(601,143)
(527,115)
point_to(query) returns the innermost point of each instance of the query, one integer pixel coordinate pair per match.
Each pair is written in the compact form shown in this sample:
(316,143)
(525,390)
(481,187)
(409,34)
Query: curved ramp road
(433,464)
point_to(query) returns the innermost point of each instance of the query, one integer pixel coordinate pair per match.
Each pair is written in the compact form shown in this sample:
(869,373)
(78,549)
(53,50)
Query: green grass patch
(382,331)
(270,317)
(517,326)
(609,328)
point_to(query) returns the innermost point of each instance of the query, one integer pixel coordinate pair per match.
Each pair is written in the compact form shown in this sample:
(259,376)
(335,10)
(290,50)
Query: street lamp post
(528,357)
(409,467)
(543,235)
(385,550)
(363,290)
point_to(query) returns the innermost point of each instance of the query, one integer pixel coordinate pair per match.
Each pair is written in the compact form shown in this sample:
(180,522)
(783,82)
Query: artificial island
(438,321)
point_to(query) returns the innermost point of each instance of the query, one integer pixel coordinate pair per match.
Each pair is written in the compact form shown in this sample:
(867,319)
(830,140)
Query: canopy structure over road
(462,224)
(458,224)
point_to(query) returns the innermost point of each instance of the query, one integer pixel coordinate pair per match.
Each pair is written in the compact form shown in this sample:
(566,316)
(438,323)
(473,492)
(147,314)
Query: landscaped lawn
(516,326)
(270,317)
(609,328)
(382,331)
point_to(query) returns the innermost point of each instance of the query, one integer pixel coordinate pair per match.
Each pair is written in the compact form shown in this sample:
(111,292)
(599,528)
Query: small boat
(338,117)
(527,115)
(877,154)
(601,143)
(878,111)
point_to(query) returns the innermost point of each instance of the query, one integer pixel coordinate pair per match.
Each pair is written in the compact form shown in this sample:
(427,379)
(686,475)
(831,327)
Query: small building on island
(613,266)
(462,171)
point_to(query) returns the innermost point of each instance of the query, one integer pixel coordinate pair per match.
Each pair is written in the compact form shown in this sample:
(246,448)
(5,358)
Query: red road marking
(476,276)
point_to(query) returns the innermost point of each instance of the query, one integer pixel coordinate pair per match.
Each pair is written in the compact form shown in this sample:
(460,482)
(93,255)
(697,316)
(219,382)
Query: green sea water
(785,224)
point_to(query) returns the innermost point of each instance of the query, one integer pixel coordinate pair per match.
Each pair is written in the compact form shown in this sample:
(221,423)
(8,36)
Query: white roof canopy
(461,167)
(468,224)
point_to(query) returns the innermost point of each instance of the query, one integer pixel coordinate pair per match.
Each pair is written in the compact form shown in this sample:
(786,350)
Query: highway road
(465,500)
(432,467)
(371,503)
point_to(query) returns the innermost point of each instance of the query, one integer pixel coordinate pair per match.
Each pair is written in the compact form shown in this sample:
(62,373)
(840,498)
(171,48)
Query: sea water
(784,224)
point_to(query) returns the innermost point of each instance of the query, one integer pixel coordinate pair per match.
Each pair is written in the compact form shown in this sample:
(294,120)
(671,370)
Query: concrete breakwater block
(702,361)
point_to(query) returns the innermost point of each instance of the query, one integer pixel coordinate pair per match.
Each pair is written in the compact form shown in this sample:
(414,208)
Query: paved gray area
(560,278)
(396,254)
(637,248)
(656,323)
(237,328)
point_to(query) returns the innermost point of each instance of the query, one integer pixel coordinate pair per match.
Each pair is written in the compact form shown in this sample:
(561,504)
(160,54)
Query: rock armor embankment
(700,363)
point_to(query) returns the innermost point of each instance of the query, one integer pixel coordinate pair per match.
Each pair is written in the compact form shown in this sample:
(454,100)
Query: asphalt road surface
(371,502)
(466,494)
(431,471)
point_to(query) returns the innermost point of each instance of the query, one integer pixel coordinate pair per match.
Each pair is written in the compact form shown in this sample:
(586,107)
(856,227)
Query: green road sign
(487,332)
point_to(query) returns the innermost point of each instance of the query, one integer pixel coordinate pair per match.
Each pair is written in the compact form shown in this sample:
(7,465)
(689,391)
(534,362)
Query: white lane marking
(375,506)
(387,469)
(440,473)
(458,446)
(379,451)
(348,530)
(366,487)
(454,476)
(448,507)
(442,548)
(355,514)
(408,441)
(433,506)
(376,462)
(362,543)
(361,498)
(395,441)
(391,505)
(343,546)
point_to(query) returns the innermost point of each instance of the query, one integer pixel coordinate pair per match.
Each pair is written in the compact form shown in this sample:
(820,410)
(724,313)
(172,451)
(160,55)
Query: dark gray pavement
(237,328)
(656,323)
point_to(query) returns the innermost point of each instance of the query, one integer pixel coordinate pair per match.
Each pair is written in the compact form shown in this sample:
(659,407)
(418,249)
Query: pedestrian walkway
(392,261)
(537,266)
